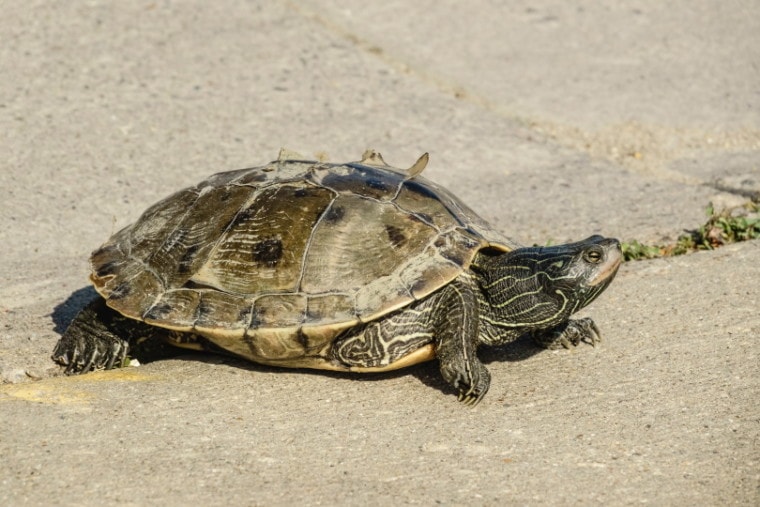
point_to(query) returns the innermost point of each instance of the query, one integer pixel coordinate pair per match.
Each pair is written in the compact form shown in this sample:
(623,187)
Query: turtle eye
(593,256)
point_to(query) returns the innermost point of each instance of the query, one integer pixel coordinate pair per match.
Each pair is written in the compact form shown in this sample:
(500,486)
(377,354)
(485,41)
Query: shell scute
(331,308)
(357,179)
(426,204)
(132,291)
(428,272)
(380,296)
(279,310)
(175,309)
(264,246)
(218,309)
(351,251)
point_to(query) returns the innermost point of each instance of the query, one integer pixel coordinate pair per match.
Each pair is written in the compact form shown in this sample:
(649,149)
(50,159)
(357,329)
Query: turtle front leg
(568,334)
(98,338)
(455,325)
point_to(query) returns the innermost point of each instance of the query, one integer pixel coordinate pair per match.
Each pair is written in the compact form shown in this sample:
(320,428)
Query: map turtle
(356,267)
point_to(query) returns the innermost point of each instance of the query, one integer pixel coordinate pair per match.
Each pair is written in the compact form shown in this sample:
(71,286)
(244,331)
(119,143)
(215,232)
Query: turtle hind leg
(100,338)
(90,342)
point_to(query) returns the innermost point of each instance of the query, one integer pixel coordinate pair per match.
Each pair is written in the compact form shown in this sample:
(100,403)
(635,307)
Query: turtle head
(540,287)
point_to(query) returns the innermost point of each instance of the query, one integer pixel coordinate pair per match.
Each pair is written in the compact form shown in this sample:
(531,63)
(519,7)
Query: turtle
(352,267)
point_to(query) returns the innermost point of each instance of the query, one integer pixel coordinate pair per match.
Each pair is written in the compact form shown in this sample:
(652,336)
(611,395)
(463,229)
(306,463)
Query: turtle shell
(272,262)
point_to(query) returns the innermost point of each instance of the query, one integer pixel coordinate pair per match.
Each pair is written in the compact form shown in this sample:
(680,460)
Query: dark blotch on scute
(203,310)
(376,184)
(335,214)
(106,269)
(190,284)
(246,214)
(302,339)
(256,319)
(186,261)
(121,290)
(268,252)
(313,315)
(104,250)
(372,182)
(451,251)
(251,344)
(158,311)
(301,192)
(255,177)
(418,286)
(241,216)
(395,235)
(420,189)
(244,315)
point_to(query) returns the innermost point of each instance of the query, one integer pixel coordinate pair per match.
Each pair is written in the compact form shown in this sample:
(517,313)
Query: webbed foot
(471,380)
(569,334)
(89,343)
(80,355)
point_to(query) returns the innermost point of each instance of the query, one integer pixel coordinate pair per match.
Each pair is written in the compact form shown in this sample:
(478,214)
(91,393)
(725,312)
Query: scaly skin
(448,318)
(533,290)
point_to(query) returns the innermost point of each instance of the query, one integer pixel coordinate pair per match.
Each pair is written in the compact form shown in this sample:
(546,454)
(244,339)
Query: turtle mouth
(608,270)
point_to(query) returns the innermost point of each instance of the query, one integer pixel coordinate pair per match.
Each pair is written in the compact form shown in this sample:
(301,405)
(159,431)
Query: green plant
(730,225)
(634,250)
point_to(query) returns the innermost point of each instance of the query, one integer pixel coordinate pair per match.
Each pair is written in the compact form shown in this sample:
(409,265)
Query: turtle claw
(569,335)
(89,343)
(471,384)
(594,334)
(82,357)
(471,399)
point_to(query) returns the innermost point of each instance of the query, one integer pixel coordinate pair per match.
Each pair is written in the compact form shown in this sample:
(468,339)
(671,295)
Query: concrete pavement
(552,121)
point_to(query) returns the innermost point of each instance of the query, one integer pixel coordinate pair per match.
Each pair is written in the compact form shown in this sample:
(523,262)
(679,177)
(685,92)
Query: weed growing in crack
(730,225)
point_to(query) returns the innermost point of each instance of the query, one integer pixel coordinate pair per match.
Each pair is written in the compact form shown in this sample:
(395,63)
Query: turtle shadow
(64,312)
(155,350)
(257,367)
(519,350)
(427,373)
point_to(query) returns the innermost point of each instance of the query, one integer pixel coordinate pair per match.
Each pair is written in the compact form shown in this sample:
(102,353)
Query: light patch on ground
(72,390)
(648,148)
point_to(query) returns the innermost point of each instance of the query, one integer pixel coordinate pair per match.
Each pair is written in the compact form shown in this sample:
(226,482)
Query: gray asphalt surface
(553,120)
